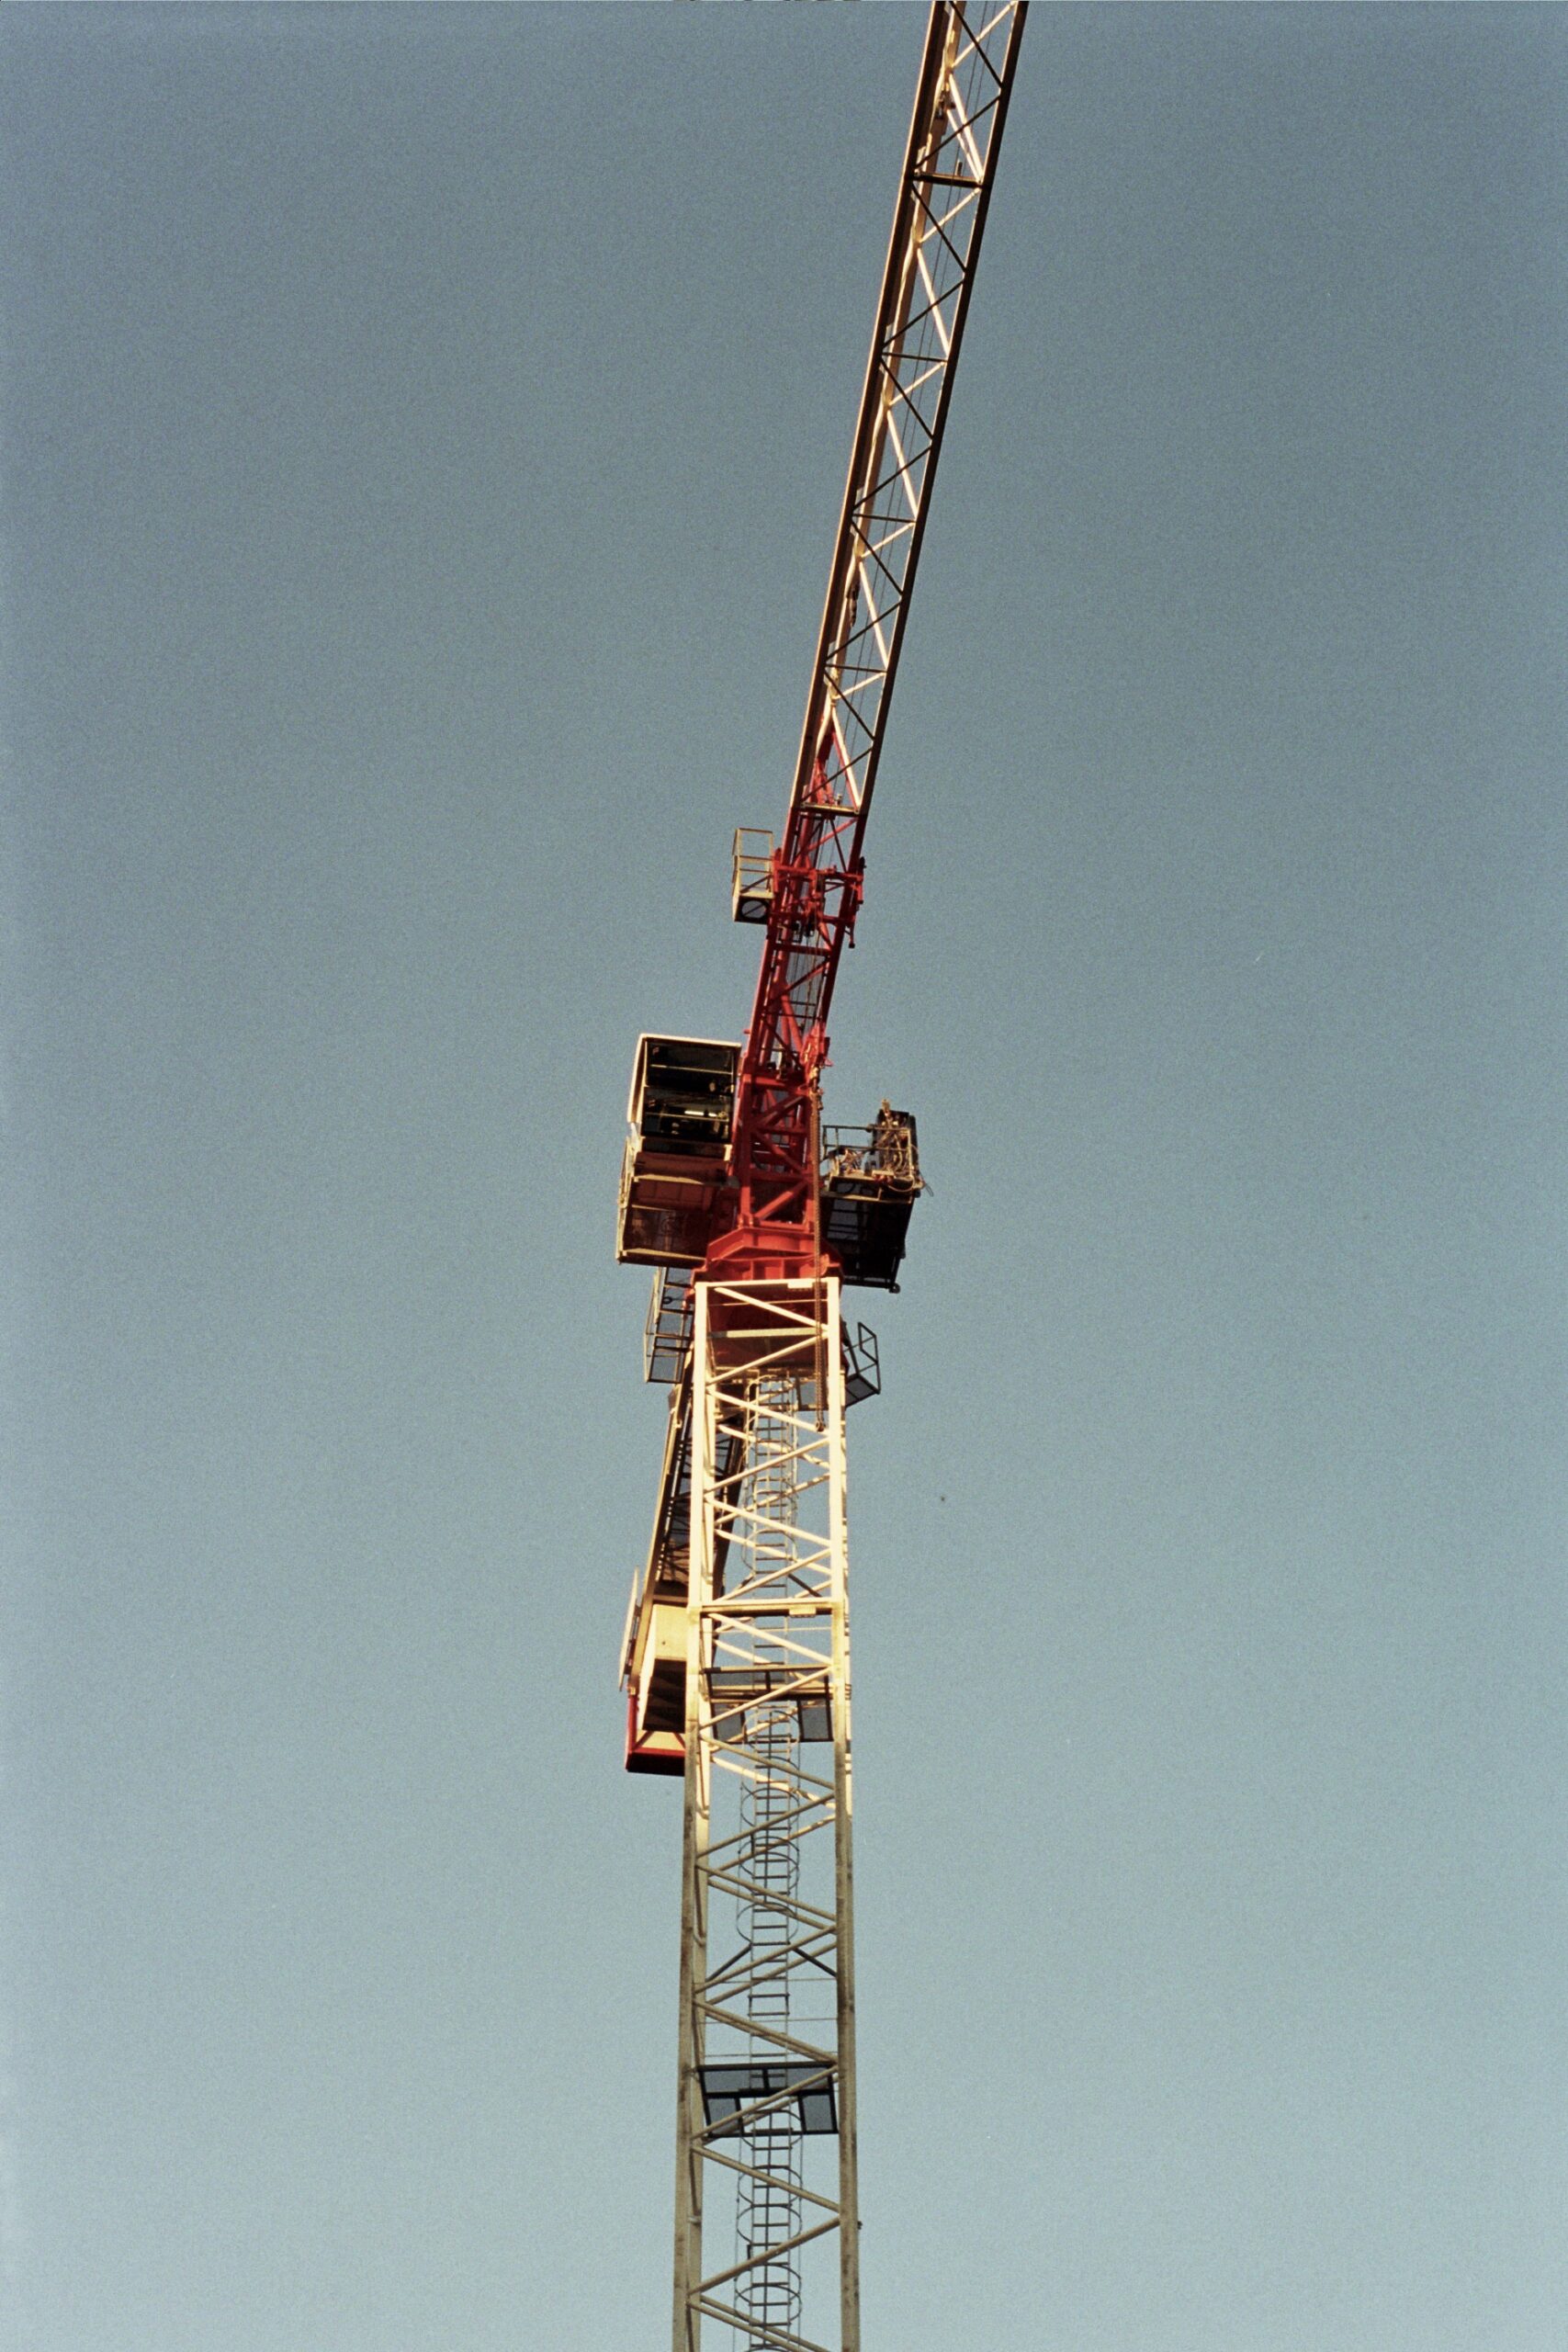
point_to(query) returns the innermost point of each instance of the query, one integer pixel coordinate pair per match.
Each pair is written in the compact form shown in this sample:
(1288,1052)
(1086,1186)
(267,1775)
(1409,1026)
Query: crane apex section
(679,1190)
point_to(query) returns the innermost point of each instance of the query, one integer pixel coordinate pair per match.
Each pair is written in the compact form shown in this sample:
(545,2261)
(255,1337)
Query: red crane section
(814,884)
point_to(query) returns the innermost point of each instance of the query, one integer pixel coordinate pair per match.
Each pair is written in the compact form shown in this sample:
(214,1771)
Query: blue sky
(421,433)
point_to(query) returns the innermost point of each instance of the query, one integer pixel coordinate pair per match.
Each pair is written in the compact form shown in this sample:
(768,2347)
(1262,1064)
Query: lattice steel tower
(736,1660)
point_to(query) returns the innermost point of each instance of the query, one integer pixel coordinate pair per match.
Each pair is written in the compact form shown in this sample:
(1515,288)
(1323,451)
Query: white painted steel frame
(959,110)
(961,102)
(779,1631)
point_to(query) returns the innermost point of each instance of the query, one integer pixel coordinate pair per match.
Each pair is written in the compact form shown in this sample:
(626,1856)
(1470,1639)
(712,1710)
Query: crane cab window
(683,1094)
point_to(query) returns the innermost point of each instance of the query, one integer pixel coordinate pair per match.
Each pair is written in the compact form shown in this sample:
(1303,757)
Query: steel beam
(766,2209)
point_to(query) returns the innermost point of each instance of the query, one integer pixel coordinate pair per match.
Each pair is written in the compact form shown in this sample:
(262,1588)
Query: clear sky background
(422,436)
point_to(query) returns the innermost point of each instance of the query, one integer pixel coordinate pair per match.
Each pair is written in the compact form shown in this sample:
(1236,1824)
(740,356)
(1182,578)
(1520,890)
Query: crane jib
(818,880)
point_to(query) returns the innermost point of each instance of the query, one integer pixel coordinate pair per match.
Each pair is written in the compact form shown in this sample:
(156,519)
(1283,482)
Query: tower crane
(755,1217)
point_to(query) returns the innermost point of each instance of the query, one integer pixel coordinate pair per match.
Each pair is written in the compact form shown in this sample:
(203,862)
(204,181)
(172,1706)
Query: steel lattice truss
(959,107)
(766,2144)
(749,1554)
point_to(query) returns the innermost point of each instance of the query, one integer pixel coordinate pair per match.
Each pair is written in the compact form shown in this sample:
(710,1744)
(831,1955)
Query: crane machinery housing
(736,1656)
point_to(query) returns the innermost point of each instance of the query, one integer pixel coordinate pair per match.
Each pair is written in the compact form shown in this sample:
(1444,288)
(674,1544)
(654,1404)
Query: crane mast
(736,1658)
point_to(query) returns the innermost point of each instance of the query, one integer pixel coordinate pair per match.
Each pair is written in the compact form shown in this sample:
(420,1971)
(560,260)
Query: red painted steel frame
(816,882)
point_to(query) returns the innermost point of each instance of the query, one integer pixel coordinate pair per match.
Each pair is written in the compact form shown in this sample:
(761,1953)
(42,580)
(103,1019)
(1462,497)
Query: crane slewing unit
(736,1656)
